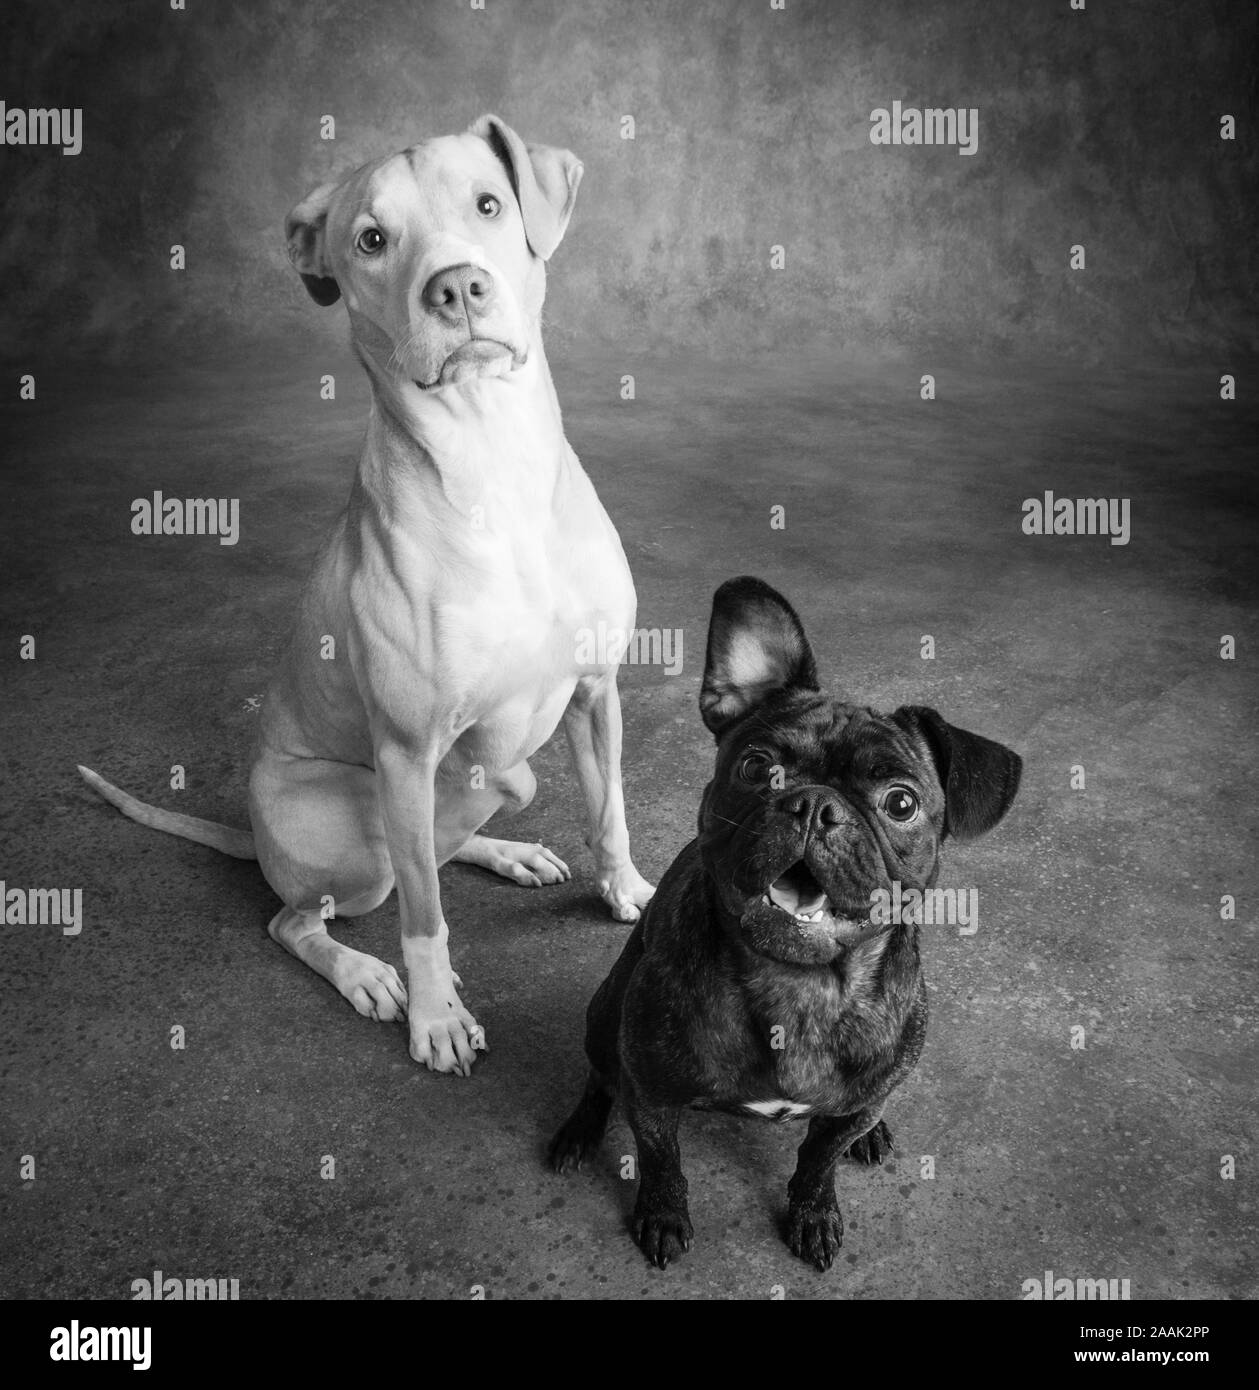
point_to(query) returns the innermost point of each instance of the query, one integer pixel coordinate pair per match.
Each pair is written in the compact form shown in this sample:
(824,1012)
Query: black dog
(759,980)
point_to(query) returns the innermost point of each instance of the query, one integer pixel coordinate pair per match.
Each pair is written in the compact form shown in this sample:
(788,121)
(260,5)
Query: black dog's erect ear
(980,778)
(756,647)
(304,231)
(545,180)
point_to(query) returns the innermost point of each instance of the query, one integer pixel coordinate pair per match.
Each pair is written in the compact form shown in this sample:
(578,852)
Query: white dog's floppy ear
(756,648)
(304,228)
(545,180)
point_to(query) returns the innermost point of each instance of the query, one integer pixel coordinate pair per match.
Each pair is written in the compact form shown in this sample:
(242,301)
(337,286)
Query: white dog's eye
(488,205)
(900,804)
(370,241)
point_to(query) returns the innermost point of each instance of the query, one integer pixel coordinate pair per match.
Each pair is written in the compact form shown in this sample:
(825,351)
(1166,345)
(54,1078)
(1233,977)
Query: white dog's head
(439,252)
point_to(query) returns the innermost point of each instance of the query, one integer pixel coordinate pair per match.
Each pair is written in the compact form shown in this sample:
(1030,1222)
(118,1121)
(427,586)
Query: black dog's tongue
(794,921)
(798,893)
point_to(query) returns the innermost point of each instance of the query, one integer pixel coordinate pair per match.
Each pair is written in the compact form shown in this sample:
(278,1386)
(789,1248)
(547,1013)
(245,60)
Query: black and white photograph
(629,659)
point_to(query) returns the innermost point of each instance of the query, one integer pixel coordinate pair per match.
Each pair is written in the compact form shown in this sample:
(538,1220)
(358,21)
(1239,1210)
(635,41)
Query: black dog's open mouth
(796,921)
(797,893)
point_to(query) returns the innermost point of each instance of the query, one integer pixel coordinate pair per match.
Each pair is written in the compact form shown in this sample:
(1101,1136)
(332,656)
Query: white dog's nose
(459,294)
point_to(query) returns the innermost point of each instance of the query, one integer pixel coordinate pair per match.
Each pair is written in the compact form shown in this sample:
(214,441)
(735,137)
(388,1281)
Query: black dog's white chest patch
(777,1109)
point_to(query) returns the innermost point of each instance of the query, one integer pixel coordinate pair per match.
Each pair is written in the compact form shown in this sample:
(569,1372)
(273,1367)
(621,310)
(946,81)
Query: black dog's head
(815,803)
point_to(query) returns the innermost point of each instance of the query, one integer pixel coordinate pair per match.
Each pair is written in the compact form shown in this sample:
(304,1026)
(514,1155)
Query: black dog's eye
(755,766)
(370,240)
(900,804)
(488,205)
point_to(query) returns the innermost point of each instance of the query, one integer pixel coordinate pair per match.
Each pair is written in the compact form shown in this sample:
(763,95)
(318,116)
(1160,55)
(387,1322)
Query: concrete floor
(1098,907)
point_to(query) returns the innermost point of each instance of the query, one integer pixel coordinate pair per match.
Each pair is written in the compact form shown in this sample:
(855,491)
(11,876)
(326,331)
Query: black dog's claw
(815,1234)
(582,1133)
(569,1149)
(872,1147)
(663,1235)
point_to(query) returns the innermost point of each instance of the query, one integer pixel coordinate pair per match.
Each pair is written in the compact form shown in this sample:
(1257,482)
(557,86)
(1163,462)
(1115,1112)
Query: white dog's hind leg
(373,987)
(529,865)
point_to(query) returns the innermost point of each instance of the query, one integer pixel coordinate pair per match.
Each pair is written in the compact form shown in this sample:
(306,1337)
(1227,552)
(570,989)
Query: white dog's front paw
(373,987)
(626,892)
(445,1037)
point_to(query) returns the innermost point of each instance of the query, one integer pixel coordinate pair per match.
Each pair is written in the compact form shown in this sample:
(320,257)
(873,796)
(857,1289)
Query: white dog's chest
(523,640)
(481,624)
(529,668)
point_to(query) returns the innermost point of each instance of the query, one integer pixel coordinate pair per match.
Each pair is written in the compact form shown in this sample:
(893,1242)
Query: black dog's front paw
(663,1233)
(815,1233)
(569,1149)
(575,1140)
(581,1134)
(872,1147)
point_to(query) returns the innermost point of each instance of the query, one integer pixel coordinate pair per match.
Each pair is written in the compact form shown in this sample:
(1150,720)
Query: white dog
(472,555)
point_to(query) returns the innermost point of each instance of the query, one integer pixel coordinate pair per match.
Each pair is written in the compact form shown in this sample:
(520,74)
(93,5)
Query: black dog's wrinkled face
(816,804)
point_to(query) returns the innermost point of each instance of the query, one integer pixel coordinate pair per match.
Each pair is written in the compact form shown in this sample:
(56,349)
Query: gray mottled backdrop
(1088,1084)
(752,129)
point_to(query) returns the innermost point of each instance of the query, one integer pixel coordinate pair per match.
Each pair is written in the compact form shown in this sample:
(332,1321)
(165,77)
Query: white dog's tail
(238,843)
